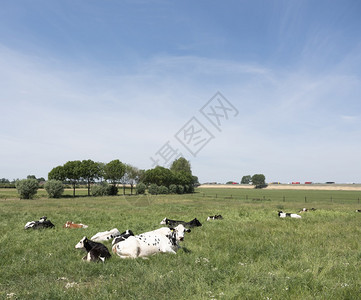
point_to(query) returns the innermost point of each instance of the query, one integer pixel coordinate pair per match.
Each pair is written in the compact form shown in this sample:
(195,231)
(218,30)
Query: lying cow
(95,251)
(70,224)
(105,235)
(123,236)
(172,223)
(42,223)
(281,214)
(306,209)
(216,217)
(161,240)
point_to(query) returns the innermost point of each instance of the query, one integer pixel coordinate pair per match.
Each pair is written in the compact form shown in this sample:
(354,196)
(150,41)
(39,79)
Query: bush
(27,188)
(190,188)
(173,189)
(180,189)
(153,189)
(54,188)
(112,190)
(261,186)
(104,189)
(140,188)
(100,189)
(163,190)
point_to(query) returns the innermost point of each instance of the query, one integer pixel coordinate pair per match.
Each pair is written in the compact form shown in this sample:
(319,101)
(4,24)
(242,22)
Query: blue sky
(106,80)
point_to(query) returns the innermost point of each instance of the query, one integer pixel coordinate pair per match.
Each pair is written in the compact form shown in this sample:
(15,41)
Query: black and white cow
(215,217)
(123,236)
(172,223)
(161,240)
(105,235)
(307,209)
(95,251)
(42,223)
(281,214)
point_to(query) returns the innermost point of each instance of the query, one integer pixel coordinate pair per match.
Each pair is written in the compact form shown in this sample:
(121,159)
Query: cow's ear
(188,230)
(172,229)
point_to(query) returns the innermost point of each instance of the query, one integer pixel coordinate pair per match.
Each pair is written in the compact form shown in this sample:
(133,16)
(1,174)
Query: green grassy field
(251,254)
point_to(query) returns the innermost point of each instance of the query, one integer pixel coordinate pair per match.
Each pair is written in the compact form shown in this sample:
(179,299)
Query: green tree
(89,171)
(114,171)
(259,181)
(159,176)
(247,179)
(181,165)
(183,178)
(133,176)
(72,171)
(57,173)
(27,188)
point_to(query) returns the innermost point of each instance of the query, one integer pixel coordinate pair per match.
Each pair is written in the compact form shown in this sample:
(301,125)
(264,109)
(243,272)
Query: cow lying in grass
(70,224)
(281,214)
(105,235)
(123,236)
(162,240)
(95,251)
(216,217)
(42,223)
(307,209)
(172,223)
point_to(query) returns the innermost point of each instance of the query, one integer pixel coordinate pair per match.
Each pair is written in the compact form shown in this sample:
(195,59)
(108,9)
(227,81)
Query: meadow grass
(250,254)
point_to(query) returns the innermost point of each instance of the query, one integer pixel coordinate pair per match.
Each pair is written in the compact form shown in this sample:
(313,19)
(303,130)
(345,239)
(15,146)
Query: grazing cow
(70,224)
(106,235)
(95,251)
(42,223)
(172,223)
(281,214)
(216,217)
(123,236)
(358,210)
(161,240)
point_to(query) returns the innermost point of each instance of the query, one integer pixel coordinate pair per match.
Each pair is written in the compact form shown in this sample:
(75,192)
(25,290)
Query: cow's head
(195,222)
(123,236)
(81,243)
(67,224)
(179,231)
(42,219)
(164,221)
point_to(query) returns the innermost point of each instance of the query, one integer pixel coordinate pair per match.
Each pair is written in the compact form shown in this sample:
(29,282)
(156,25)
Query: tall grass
(250,254)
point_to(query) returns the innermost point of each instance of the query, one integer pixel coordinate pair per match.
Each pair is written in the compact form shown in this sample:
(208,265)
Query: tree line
(104,178)
(258,180)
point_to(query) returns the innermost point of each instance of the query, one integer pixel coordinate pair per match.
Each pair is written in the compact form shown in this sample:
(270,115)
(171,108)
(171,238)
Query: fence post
(331,199)
(305,199)
(358,200)
(284,199)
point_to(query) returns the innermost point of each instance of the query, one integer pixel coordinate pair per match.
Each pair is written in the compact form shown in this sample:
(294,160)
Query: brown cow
(70,224)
